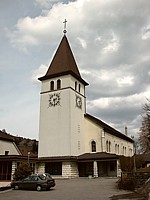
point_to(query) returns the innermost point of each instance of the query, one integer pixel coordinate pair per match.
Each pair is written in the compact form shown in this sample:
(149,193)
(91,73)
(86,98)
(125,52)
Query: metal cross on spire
(65,26)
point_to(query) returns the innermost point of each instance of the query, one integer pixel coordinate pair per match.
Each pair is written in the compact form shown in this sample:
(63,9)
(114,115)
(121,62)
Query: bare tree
(144,137)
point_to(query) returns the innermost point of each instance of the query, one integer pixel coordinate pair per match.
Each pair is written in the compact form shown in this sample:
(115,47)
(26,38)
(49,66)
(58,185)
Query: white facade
(8,148)
(61,126)
(105,142)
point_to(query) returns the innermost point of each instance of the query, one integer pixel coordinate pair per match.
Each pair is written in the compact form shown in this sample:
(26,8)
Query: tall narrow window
(58,84)
(52,85)
(93,144)
(123,150)
(75,85)
(118,148)
(107,145)
(79,87)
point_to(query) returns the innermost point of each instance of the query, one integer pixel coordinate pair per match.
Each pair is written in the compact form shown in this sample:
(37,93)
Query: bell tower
(62,106)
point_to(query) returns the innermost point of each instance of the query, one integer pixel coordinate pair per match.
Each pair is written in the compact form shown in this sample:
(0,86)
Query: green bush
(22,171)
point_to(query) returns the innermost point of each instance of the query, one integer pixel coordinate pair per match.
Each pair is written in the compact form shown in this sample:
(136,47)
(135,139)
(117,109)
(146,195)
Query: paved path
(73,189)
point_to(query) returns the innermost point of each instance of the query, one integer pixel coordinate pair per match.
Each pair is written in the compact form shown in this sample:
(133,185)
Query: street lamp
(28,158)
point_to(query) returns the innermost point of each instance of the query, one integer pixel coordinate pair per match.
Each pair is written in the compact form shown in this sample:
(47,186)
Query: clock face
(78,101)
(54,99)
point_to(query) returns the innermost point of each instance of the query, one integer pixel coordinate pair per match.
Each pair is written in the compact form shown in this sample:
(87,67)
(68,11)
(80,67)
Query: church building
(73,143)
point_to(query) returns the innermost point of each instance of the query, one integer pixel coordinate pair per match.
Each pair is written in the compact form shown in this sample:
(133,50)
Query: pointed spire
(63,63)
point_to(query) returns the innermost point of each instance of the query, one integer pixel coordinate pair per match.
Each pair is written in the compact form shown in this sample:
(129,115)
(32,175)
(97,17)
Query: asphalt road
(72,189)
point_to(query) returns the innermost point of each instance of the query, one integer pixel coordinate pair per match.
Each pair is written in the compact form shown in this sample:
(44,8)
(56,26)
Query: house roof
(97,156)
(81,158)
(17,158)
(108,128)
(6,136)
(63,63)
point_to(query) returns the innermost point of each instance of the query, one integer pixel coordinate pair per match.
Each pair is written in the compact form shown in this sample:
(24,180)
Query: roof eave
(63,74)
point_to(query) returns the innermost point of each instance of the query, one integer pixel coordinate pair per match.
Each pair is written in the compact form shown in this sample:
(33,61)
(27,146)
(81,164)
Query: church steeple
(63,63)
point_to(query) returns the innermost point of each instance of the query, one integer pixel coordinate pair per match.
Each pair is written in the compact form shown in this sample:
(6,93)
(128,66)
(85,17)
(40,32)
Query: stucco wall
(93,132)
(8,146)
(61,126)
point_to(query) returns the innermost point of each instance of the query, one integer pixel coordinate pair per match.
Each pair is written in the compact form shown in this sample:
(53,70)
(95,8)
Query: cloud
(110,42)
(38,73)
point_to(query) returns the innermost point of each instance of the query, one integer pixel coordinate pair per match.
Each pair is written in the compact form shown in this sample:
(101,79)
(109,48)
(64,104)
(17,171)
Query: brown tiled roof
(97,156)
(84,157)
(108,128)
(63,63)
(16,158)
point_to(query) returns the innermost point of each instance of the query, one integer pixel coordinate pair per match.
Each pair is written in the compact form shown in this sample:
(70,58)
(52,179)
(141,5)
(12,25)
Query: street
(72,189)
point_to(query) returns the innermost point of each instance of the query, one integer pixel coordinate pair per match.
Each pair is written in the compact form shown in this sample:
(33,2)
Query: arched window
(118,148)
(93,145)
(52,85)
(123,150)
(107,145)
(79,87)
(58,84)
(75,85)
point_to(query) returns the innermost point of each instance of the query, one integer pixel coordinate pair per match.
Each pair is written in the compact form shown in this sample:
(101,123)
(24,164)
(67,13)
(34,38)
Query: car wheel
(38,188)
(16,187)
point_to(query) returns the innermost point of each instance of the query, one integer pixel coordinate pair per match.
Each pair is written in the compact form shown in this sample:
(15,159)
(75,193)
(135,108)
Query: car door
(34,181)
(26,183)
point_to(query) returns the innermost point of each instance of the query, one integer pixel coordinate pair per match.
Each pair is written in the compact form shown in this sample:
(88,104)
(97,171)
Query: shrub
(22,171)
(127,184)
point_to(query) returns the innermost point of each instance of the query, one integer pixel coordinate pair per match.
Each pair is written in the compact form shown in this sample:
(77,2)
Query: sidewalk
(5,185)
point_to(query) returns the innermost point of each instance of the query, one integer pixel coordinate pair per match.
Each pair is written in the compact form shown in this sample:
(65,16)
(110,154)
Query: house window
(123,150)
(107,145)
(58,84)
(93,144)
(79,87)
(6,153)
(75,85)
(52,85)
(54,168)
(116,149)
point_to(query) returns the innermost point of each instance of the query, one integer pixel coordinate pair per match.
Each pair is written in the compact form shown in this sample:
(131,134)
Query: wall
(69,170)
(94,132)
(61,126)
(8,146)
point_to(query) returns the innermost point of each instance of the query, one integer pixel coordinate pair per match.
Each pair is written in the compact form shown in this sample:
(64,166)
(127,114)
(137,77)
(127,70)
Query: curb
(5,188)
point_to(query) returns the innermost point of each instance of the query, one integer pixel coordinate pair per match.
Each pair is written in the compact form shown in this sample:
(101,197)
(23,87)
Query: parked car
(34,182)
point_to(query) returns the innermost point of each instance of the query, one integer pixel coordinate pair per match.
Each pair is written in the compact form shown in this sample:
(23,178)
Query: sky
(110,40)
